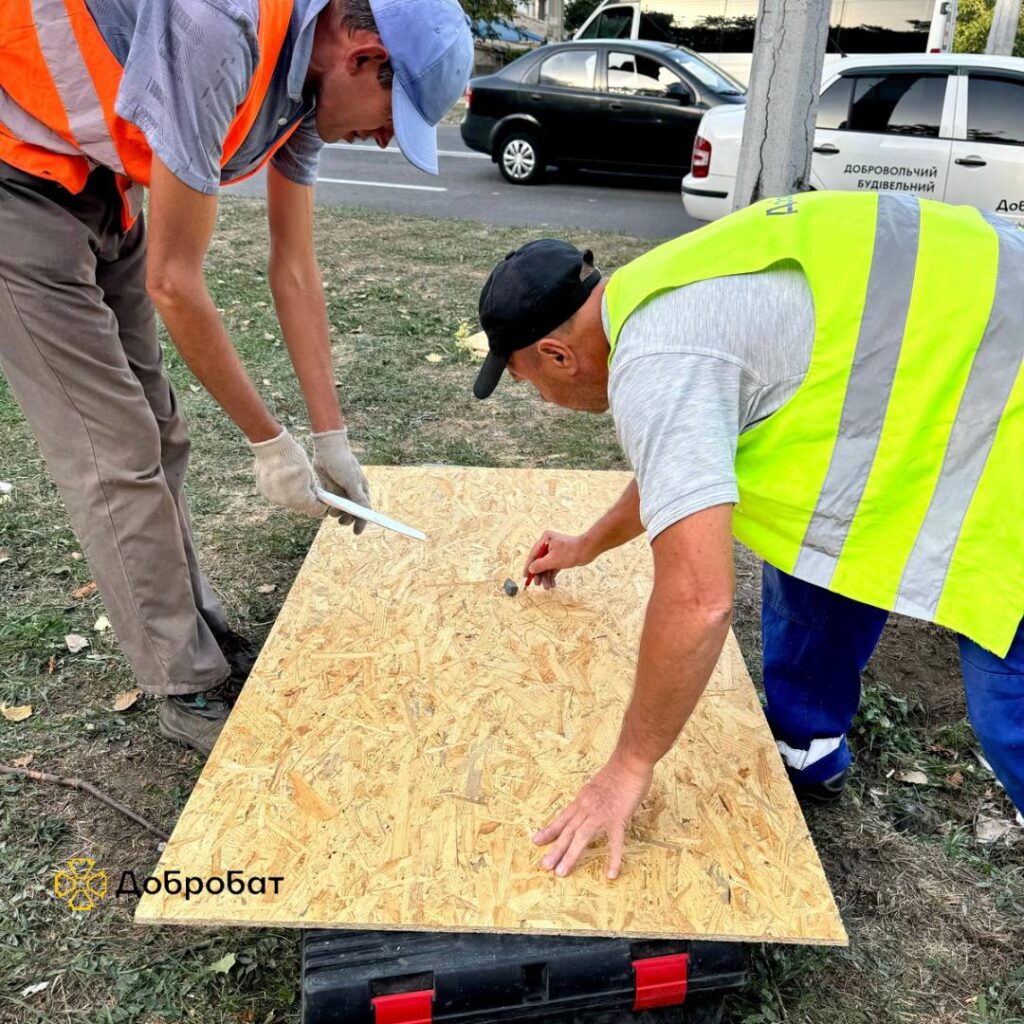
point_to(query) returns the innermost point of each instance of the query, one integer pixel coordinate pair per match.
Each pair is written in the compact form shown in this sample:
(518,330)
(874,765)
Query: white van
(949,127)
(722,31)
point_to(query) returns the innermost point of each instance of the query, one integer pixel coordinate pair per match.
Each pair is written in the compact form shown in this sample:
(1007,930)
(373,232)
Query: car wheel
(520,159)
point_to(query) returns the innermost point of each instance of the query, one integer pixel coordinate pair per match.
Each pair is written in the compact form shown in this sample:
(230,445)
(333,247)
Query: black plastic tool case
(388,977)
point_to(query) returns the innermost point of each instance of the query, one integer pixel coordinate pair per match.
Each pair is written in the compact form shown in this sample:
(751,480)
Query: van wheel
(521,159)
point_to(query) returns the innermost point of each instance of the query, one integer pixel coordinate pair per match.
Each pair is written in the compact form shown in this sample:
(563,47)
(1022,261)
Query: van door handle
(826,148)
(971,161)
(536,96)
(615,106)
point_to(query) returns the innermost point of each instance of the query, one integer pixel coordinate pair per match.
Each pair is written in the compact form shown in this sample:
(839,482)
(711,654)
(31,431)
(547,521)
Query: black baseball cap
(530,292)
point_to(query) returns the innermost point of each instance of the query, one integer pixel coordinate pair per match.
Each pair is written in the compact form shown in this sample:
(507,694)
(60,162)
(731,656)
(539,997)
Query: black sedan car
(624,105)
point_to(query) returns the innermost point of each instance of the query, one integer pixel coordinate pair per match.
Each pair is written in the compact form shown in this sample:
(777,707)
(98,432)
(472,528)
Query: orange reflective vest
(58,86)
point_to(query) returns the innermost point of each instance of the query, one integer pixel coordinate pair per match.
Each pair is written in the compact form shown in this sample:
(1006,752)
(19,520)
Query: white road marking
(382,184)
(356,147)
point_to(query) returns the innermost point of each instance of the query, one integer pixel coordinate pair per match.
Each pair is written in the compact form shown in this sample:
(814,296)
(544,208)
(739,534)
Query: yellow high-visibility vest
(895,473)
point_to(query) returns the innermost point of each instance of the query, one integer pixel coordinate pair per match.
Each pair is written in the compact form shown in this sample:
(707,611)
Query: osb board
(408,726)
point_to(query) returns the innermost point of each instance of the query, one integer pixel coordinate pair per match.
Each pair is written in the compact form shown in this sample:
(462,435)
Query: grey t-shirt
(693,369)
(189,63)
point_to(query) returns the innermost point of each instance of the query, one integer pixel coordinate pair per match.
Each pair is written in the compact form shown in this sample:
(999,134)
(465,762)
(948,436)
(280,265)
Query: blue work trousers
(816,644)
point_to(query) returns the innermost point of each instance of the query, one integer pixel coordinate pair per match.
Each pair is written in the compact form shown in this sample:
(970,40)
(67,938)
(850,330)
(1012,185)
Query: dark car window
(613,23)
(995,110)
(636,75)
(834,105)
(902,103)
(573,68)
(707,74)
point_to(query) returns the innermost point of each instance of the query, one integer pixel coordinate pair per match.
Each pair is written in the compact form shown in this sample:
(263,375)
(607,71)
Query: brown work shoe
(194,719)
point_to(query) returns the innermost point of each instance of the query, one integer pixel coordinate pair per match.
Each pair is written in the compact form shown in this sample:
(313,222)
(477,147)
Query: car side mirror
(681,93)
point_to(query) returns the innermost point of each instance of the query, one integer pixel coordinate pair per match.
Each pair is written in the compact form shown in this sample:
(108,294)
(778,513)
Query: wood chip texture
(408,727)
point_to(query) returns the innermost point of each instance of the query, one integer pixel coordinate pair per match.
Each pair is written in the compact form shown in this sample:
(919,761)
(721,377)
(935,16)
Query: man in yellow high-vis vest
(837,379)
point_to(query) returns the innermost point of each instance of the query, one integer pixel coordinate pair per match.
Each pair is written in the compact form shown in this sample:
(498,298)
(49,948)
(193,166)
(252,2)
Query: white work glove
(340,473)
(284,476)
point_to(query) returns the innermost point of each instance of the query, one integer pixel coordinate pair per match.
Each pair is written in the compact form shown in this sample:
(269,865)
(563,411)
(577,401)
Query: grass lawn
(936,918)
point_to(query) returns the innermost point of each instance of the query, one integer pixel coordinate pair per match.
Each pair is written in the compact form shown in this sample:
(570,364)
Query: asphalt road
(470,186)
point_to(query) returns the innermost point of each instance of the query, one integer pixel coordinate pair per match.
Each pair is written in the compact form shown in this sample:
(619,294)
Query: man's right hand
(564,552)
(284,476)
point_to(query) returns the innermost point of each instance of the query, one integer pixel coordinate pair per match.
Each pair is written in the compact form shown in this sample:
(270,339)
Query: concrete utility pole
(1003,33)
(555,21)
(782,100)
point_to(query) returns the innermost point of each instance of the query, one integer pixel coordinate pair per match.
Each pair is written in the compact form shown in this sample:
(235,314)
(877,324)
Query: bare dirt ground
(935,916)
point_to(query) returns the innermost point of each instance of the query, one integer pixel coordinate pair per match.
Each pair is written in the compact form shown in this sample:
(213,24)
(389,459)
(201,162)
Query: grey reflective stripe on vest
(74,83)
(22,125)
(994,370)
(890,283)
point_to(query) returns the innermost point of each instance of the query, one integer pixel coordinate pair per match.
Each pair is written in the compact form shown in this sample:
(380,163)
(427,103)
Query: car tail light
(701,162)
(469,98)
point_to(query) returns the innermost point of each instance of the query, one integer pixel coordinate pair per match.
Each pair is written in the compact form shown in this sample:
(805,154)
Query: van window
(834,105)
(572,68)
(637,75)
(880,26)
(995,110)
(612,23)
(901,103)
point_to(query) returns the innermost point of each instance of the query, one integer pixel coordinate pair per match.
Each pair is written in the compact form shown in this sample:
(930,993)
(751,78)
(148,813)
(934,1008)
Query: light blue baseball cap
(431,50)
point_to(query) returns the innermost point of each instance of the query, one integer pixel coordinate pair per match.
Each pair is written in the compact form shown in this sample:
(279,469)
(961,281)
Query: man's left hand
(340,473)
(604,805)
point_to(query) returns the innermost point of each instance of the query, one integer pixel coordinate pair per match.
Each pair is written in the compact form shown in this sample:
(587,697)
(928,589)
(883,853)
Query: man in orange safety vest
(100,98)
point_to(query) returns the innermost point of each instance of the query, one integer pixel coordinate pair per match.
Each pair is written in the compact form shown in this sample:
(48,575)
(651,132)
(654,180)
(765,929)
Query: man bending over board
(100,99)
(853,412)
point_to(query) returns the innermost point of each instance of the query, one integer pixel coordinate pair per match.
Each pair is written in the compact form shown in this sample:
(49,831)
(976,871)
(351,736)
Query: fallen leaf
(488,827)
(990,830)
(123,701)
(76,555)
(51,665)
(267,588)
(474,344)
(22,762)
(435,357)
(194,388)
(102,624)
(5,487)
(85,590)
(223,965)
(915,778)
(16,714)
(31,990)
(955,779)
(5,555)
(76,642)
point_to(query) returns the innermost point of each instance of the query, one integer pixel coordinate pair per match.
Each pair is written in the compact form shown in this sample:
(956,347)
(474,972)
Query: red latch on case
(660,980)
(405,1007)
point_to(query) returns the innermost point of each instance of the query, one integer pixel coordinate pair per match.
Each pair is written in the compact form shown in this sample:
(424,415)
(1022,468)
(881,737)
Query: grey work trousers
(78,345)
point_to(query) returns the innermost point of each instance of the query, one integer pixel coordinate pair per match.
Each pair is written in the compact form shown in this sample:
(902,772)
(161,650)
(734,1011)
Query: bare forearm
(302,312)
(181,223)
(620,524)
(199,335)
(678,651)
